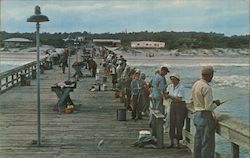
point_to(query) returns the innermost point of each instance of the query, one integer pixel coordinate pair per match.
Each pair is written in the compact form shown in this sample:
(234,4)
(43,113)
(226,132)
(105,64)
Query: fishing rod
(230,99)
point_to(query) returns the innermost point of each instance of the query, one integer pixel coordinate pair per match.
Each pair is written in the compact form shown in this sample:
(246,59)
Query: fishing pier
(92,130)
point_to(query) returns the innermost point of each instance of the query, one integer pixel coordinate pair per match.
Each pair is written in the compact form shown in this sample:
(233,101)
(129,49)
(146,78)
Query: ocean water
(11,60)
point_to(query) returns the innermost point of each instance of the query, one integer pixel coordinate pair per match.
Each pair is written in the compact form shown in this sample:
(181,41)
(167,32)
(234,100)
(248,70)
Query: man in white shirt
(204,121)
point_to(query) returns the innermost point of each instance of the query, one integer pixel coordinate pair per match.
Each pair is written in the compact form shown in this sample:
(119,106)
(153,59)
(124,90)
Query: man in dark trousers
(92,67)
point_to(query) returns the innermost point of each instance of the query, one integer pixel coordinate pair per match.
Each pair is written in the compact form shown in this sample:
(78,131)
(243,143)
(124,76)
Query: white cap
(176,76)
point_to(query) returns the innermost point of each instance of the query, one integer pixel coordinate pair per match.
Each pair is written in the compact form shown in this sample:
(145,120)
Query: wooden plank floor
(71,135)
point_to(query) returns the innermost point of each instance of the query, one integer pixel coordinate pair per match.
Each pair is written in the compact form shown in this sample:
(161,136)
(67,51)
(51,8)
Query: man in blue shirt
(158,84)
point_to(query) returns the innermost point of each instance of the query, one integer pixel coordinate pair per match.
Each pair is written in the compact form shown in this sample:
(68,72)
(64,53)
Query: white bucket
(104,87)
(144,133)
(98,87)
(97,77)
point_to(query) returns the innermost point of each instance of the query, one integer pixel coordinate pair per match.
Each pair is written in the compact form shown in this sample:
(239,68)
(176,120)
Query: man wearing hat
(175,92)
(158,84)
(204,120)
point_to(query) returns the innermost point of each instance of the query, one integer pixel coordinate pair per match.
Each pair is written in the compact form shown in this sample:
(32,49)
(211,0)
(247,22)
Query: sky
(230,17)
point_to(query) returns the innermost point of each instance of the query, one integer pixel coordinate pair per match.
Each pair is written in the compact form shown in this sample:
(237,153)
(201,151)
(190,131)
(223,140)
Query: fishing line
(231,99)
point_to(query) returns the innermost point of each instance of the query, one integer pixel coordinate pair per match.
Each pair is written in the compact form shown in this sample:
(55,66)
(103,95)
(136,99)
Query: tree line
(173,40)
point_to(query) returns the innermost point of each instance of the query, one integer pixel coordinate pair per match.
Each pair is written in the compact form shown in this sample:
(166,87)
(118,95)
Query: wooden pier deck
(71,135)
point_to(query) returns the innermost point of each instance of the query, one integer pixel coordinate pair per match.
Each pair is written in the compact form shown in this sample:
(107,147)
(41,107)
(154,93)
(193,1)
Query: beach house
(17,42)
(107,42)
(147,44)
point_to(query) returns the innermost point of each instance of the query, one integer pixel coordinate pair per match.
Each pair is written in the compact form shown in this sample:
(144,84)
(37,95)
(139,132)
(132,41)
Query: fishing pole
(230,99)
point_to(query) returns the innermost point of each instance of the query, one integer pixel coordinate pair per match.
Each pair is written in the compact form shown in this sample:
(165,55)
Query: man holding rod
(204,119)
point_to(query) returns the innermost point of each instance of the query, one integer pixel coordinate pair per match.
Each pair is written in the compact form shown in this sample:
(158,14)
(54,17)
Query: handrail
(230,128)
(12,77)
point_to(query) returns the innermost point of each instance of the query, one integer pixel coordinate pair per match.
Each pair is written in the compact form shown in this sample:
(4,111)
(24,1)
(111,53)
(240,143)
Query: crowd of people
(139,96)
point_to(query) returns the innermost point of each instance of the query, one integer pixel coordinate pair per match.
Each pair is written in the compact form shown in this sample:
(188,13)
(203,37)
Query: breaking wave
(231,81)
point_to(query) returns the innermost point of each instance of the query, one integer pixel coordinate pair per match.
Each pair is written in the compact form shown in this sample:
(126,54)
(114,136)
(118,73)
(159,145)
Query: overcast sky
(230,17)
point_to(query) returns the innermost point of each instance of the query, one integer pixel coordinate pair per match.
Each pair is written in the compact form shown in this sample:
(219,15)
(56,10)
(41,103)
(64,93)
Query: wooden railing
(11,78)
(232,129)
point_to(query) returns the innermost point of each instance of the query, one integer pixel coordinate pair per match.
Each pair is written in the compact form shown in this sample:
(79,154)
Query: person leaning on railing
(204,118)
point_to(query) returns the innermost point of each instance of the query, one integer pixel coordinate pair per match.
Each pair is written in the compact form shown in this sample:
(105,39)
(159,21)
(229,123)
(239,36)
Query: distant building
(17,42)
(147,44)
(107,42)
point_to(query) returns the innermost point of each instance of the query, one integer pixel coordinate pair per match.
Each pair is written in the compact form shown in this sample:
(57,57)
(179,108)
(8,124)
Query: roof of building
(17,40)
(146,42)
(107,40)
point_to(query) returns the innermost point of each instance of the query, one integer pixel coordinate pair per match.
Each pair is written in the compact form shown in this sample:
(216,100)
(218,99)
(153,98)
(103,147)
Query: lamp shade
(38,17)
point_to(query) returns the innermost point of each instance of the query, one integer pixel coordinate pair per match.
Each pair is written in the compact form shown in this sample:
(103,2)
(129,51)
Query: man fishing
(204,119)
(158,84)
(136,95)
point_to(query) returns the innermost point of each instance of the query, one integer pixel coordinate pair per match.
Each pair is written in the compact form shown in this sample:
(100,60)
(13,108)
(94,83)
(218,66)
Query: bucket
(105,87)
(104,79)
(98,87)
(117,94)
(121,114)
(97,77)
(28,82)
(144,133)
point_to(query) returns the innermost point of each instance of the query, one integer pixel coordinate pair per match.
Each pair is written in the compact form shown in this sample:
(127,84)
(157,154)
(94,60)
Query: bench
(62,91)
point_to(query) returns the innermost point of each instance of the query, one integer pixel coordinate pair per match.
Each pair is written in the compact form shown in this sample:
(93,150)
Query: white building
(17,42)
(147,44)
(107,42)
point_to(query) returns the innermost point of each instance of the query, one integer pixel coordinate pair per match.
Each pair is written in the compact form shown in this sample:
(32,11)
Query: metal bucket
(104,79)
(121,114)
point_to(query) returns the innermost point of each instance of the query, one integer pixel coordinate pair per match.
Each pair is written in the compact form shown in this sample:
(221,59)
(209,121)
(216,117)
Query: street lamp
(37,18)
(77,45)
(69,41)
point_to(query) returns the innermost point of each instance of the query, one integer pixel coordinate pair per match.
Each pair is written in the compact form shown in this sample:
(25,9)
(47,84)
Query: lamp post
(68,42)
(37,18)
(77,44)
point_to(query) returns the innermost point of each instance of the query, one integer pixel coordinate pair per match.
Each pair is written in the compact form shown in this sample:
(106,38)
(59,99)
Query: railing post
(187,129)
(23,79)
(235,150)
(16,79)
(33,74)
(0,84)
(7,80)
(41,68)
(12,79)
(29,74)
